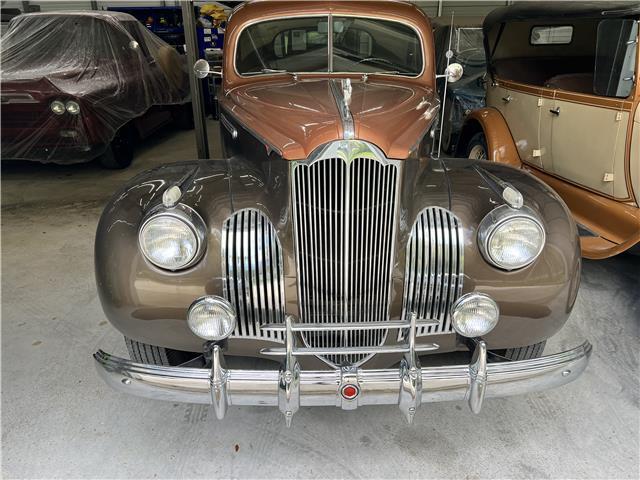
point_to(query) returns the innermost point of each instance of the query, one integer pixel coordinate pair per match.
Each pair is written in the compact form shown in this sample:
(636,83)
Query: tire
(523,353)
(477,147)
(182,116)
(119,153)
(152,355)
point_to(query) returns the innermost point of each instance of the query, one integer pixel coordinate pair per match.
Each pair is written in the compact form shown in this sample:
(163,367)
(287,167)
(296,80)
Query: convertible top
(561,10)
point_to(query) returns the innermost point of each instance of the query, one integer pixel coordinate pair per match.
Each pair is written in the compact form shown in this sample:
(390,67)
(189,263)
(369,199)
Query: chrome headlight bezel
(187,216)
(224,305)
(498,218)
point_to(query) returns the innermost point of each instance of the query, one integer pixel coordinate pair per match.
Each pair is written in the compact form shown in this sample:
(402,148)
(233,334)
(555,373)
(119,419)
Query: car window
(359,45)
(551,35)
(615,61)
(374,45)
(293,44)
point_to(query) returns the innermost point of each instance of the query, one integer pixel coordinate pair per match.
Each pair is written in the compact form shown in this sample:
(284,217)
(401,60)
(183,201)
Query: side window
(615,62)
(551,35)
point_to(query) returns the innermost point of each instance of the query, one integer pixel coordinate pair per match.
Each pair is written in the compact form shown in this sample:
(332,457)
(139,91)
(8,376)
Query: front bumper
(290,388)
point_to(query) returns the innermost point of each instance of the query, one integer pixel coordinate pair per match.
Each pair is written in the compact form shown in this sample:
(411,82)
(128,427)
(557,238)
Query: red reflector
(350,392)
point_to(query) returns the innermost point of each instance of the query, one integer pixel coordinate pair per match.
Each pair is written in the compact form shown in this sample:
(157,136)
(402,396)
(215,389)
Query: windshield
(469,48)
(359,45)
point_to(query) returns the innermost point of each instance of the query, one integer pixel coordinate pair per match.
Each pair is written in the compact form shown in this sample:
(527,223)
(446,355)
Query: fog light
(211,318)
(474,315)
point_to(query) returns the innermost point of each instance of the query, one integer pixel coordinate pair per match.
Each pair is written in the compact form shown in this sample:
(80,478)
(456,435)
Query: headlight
(57,107)
(173,239)
(72,107)
(474,315)
(211,318)
(511,239)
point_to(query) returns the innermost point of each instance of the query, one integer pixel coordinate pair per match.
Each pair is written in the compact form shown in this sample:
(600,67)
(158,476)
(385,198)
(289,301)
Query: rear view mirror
(616,47)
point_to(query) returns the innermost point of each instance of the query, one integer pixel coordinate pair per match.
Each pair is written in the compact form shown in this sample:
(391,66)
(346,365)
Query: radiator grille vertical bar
(434,269)
(253,274)
(345,216)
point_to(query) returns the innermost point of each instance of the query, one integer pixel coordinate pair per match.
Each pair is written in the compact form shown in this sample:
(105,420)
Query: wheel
(523,353)
(119,153)
(477,147)
(183,116)
(150,354)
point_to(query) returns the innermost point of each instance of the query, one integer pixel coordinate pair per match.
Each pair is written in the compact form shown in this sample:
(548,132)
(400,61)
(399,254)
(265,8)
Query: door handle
(507,99)
(555,111)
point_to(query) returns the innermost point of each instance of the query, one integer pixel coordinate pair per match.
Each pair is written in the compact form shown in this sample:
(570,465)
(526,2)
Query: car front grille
(345,223)
(253,274)
(434,268)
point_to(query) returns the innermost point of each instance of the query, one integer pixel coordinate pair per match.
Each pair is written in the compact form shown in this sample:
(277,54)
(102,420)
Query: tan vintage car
(329,251)
(562,103)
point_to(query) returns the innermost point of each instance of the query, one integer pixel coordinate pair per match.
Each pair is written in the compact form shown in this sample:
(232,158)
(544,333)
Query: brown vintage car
(563,102)
(330,239)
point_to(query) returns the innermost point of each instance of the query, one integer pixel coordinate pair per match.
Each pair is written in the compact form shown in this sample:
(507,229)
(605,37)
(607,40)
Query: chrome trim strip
(310,351)
(307,327)
(253,274)
(230,128)
(434,269)
(342,103)
(321,387)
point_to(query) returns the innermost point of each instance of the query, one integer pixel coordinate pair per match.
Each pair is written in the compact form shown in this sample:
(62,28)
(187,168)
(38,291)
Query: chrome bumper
(291,387)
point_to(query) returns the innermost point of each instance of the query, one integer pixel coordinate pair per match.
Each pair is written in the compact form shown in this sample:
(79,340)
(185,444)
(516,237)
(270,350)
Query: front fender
(502,148)
(535,301)
(140,300)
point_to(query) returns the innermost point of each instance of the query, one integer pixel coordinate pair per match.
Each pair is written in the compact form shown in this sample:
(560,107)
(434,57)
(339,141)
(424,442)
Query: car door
(588,137)
(520,106)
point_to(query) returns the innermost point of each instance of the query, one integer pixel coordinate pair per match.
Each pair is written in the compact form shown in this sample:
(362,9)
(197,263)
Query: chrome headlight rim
(189,217)
(496,219)
(470,297)
(221,302)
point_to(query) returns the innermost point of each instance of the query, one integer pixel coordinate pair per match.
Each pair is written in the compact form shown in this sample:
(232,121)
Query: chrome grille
(253,275)
(344,217)
(434,268)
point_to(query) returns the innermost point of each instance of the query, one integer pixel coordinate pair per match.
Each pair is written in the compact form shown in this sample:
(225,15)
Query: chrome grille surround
(345,209)
(434,269)
(253,273)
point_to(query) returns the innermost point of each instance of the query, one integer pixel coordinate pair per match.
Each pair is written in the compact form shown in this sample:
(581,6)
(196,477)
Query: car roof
(561,10)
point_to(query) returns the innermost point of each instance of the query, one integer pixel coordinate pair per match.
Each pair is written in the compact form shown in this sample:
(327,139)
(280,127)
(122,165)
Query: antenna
(449,54)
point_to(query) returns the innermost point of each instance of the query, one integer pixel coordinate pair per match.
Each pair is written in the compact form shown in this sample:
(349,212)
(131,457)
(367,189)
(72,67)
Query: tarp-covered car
(78,85)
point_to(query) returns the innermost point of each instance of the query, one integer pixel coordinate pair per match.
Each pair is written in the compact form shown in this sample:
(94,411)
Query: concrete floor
(59,420)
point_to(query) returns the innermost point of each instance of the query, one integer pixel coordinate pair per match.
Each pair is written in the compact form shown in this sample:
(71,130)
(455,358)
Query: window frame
(329,17)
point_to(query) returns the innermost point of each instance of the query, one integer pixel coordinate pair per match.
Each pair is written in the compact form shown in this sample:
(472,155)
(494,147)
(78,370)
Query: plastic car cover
(108,63)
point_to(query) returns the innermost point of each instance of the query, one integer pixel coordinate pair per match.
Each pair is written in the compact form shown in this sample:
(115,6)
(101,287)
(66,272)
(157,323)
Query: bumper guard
(348,387)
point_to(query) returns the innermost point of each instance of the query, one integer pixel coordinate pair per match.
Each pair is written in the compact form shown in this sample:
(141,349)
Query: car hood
(296,117)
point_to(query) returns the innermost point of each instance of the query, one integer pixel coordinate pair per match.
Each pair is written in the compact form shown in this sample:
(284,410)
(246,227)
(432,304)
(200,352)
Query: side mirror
(454,72)
(202,69)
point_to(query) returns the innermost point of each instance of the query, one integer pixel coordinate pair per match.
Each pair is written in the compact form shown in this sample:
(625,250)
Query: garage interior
(59,420)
